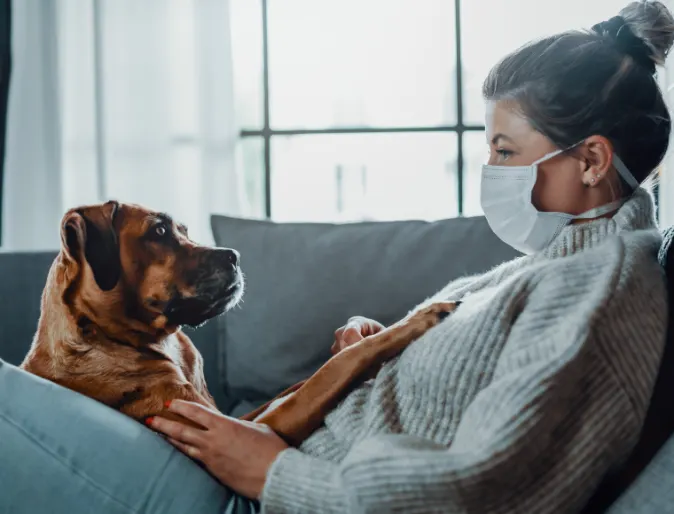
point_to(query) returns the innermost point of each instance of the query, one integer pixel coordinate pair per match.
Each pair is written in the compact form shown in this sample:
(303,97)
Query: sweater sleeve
(552,420)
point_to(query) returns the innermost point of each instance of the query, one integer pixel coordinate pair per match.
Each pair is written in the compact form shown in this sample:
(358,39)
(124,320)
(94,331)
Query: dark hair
(600,82)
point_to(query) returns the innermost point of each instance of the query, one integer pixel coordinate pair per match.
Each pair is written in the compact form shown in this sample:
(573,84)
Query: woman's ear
(597,152)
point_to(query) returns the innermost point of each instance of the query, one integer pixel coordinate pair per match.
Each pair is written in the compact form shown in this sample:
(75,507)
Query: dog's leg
(154,404)
(304,411)
(252,416)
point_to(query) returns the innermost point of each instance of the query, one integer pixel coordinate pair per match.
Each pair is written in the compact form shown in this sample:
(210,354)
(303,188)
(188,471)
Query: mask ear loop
(624,172)
(556,153)
(546,157)
(618,163)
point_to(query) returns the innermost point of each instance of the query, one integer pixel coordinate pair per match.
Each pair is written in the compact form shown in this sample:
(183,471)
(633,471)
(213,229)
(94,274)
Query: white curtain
(120,99)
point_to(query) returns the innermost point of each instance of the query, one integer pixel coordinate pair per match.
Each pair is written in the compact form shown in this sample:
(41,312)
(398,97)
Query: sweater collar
(637,213)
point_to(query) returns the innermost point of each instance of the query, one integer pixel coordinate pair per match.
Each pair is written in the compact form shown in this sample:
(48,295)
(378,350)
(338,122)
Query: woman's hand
(355,329)
(238,453)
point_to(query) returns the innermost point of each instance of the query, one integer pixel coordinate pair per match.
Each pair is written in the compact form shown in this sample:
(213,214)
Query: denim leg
(64,453)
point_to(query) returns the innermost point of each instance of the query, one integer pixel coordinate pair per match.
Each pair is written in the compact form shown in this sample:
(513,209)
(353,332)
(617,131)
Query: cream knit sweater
(520,401)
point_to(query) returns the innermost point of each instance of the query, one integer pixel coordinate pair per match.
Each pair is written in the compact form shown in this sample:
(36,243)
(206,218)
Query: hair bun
(619,30)
(652,23)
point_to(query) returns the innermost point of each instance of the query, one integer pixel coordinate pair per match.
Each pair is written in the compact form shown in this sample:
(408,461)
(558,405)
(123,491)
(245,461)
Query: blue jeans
(64,453)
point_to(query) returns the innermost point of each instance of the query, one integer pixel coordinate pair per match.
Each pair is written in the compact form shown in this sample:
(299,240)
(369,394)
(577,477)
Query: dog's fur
(125,281)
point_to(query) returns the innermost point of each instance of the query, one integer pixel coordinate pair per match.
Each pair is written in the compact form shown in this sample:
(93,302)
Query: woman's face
(565,182)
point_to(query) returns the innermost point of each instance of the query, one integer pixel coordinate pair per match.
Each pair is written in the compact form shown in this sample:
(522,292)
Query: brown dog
(125,281)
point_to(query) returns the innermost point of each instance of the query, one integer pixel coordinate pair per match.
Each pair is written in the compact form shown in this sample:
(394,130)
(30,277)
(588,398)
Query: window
(372,109)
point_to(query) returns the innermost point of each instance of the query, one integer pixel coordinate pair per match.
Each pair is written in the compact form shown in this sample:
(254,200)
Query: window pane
(361,63)
(486,38)
(474,156)
(350,177)
(182,178)
(246,30)
(252,165)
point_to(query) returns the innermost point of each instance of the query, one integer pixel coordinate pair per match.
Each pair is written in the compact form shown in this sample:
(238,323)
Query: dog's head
(130,268)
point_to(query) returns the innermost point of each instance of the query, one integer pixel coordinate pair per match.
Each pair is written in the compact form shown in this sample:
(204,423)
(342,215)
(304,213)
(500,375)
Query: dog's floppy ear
(88,234)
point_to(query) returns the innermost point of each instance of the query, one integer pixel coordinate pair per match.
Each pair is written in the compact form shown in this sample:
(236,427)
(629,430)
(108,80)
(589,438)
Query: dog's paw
(440,310)
(446,309)
(434,313)
(442,315)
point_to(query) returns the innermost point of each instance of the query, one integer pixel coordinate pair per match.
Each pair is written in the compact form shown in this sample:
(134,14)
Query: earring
(592,180)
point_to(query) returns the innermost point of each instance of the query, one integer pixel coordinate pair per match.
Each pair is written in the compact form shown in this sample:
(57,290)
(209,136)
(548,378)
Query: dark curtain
(5,72)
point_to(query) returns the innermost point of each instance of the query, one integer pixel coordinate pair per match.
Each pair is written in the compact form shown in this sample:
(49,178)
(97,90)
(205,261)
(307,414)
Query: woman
(521,401)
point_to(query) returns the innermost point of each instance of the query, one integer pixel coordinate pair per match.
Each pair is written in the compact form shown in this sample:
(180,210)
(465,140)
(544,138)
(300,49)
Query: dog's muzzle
(218,286)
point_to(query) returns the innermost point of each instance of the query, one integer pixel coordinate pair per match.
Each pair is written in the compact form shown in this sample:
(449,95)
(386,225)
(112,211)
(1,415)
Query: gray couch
(304,281)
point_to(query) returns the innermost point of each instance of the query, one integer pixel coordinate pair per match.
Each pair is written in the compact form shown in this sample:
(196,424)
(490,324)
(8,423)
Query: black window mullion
(459,106)
(266,130)
(361,130)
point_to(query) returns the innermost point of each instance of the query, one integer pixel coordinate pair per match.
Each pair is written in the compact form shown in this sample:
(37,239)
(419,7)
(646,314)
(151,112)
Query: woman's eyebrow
(497,137)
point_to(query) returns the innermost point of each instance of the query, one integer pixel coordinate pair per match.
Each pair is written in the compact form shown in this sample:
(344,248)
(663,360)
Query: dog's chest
(173,351)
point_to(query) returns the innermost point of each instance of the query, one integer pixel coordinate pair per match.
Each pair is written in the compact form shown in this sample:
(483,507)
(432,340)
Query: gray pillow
(304,280)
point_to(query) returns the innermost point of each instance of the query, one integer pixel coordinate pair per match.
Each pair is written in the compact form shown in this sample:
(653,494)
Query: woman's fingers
(346,336)
(194,412)
(356,329)
(191,451)
(352,334)
(177,431)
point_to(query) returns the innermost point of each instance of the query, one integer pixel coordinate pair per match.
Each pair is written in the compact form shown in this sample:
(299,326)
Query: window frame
(267,133)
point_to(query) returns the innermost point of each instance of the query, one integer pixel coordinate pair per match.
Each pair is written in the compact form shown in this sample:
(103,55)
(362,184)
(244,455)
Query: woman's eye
(503,153)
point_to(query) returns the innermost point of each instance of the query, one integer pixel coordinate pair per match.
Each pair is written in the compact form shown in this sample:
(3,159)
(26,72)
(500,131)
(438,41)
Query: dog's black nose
(230,256)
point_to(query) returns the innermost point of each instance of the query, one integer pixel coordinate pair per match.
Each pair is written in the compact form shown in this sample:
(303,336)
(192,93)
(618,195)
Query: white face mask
(505,197)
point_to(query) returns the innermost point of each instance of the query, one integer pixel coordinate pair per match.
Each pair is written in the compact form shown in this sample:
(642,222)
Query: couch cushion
(652,492)
(22,279)
(305,279)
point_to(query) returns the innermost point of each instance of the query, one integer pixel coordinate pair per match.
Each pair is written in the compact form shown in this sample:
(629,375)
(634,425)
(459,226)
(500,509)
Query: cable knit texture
(520,401)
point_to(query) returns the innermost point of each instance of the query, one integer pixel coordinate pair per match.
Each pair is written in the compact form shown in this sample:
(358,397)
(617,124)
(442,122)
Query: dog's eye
(158,233)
